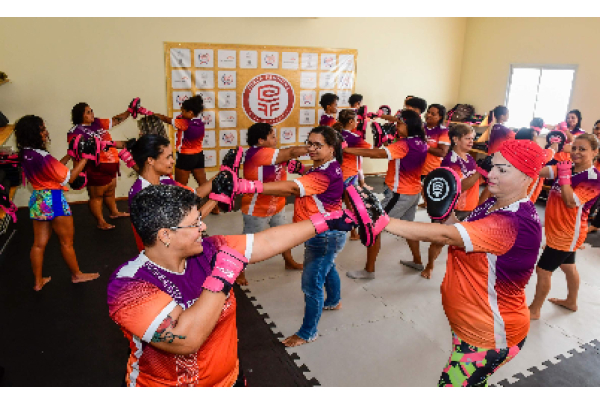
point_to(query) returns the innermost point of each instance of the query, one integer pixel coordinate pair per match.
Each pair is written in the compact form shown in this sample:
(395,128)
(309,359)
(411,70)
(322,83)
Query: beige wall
(56,63)
(492,44)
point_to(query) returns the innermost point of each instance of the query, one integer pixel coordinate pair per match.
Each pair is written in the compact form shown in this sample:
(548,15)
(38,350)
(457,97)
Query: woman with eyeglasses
(318,190)
(406,158)
(174,301)
(48,207)
(573,194)
(154,157)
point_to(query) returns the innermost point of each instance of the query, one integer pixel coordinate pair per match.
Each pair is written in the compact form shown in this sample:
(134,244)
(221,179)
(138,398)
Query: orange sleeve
(180,123)
(586,191)
(243,244)
(362,144)
(105,123)
(444,138)
(140,307)
(494,234)
(313,183)
(265,157)
(397,150)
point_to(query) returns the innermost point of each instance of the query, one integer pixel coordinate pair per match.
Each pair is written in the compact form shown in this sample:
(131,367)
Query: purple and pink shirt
(406,159)
(321,190)
(483,292)
(43,171)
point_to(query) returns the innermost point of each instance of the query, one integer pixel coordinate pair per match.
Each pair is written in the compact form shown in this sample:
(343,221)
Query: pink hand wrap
(564,172)
(228,265)
(249,186)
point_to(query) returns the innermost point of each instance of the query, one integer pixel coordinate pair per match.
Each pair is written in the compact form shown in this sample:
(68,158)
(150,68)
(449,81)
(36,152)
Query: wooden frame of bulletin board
(244,84)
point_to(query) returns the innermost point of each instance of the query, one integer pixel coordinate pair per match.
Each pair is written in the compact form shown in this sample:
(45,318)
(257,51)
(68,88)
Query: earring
(167,244)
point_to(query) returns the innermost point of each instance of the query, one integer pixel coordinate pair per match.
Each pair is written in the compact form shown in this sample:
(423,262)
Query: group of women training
(174,301)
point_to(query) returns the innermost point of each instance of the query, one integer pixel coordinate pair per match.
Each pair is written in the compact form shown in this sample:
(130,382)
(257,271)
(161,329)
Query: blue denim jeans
(319,270)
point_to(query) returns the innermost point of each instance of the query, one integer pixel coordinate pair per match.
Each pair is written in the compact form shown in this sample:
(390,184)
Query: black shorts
(552,259)
(189,162)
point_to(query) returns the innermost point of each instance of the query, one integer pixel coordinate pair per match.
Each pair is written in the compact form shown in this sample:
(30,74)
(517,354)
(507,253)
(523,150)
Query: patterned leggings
(472,366)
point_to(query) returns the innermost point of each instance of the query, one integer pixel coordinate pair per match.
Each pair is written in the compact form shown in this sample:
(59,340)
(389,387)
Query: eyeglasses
(198,224)
(317,145)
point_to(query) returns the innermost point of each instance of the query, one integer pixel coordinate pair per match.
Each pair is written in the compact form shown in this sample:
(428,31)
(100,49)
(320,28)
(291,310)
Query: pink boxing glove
(248,186)
(144,111)
(227,265)
(126,157)
(133,107)
(562,126)
(340,220)
(564,172)
(295,166)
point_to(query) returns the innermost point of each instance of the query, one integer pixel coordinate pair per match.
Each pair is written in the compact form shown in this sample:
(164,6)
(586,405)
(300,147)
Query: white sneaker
(410,264)
(362,274)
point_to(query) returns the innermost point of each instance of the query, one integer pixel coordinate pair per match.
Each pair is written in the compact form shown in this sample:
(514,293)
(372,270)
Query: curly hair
(328,99)
(151,125)
(441,111)
(258,131)
(77,113)
(28,131)
(160,206)
(194,104)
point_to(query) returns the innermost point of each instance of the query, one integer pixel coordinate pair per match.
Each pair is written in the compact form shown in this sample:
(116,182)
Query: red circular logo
(268,98)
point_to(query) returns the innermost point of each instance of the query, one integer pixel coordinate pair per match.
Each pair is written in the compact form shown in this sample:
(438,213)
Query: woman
(351,165)
(437,139)
(491,256)
(495,136)
(319,190)
(101,175)
(47,205)
(174,301)
(154,157)
(462,163)
(403,183)
(595,224)
(571,128)
(573,194)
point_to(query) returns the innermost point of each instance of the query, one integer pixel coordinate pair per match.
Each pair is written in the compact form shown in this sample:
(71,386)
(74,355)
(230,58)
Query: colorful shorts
(45,205)
(472,366)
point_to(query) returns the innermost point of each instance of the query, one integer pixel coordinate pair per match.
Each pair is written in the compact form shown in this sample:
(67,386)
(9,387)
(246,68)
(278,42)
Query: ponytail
(338,126)
(147,146)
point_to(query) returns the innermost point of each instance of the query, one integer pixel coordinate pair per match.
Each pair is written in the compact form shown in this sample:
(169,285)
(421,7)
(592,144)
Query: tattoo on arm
(161,335)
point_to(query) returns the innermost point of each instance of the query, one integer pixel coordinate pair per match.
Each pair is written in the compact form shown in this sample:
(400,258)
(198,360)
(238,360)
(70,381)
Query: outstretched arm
(379,153)
(282,188)
(430,232)
(286,154)
(119,118)
(276,240)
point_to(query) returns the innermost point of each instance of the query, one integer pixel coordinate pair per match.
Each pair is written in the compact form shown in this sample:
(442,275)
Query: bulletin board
(244,84)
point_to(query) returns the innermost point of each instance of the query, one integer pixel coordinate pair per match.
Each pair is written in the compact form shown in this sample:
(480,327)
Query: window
(539,91)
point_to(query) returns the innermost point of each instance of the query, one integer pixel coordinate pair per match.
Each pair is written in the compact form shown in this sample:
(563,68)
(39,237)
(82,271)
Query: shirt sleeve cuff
(173,122)
(576,198)
(444,143)
(67,178)
(389,154)
(275,155)
(159,319)
(552,176)
(465,237)
(301,186)
(249,246)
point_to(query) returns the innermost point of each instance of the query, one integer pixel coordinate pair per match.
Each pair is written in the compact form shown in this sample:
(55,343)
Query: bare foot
(338,307)
(426,273)
(534,315)
(293,265)
(119,214)
(105,226)
(354,235)
(37,287)
(423,205)
(294,341)
(85,277)
(581,248)
(592,229)
(215,211)
(564,303)
(241,279)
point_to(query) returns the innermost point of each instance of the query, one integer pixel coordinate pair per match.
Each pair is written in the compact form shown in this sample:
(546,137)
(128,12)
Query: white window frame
(542,67)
